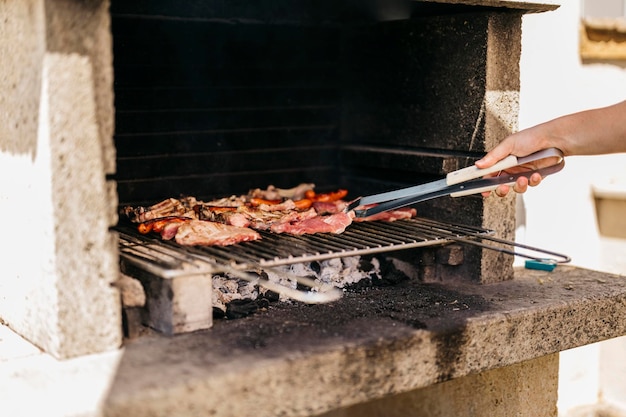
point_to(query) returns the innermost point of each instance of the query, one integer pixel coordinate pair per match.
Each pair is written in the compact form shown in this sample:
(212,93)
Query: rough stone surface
(21,49)
(57,289)
(85,251)
(131,291)
(406,93)
(302,360)
(526,389)
(83,28)
(178,304)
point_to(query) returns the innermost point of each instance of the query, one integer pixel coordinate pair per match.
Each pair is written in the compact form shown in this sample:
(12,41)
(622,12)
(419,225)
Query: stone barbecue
(111,103)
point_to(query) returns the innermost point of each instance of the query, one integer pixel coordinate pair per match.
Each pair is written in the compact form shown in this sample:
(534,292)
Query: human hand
(520,144)
(520,186)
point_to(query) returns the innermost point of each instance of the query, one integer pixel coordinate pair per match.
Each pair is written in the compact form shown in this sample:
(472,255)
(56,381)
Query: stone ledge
(296,360)
(528,7)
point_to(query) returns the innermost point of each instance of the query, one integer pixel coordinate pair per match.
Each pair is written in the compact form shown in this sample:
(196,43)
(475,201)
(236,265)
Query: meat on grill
(253,217)
(273,193)
(200,232)
(234,219)
(388,216)
(183,207)
(332,223)
(330,207)
(169,230)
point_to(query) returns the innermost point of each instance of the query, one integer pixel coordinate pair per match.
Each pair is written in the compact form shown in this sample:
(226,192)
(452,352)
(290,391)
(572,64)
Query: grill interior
(217,98)
(228,98)
(168,259)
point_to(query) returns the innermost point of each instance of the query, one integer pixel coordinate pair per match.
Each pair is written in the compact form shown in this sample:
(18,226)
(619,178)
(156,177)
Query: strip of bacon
(326,197)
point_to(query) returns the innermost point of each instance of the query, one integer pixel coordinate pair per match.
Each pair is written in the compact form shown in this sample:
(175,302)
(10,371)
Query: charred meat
(200,232)
(297,211)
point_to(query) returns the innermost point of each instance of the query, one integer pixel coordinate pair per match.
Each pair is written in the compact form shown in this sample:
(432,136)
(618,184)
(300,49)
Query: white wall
(560,214)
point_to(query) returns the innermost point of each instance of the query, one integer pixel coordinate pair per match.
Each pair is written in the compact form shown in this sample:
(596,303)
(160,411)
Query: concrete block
(84,28)
(21,48)
(526,389)
(56,289)
(175,305)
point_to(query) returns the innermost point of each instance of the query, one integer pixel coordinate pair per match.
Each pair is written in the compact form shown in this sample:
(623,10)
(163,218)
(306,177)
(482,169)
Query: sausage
(326,197)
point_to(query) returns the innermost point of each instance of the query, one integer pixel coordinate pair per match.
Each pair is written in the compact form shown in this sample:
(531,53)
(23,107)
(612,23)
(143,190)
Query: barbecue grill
(214,101)
(127,103)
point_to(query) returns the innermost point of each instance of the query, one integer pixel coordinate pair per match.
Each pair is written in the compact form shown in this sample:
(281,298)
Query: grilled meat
(333,223)
(273,193)
(183,207)
(299,210)
(389,216)
(169,230)
(330,207)
(200,232)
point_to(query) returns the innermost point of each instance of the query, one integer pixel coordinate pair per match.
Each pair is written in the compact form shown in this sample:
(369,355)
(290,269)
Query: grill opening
(217,98)
(216,101)
(253,261)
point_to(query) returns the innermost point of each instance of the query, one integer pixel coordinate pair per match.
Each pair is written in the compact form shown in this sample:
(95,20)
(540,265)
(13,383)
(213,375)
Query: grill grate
(167,259)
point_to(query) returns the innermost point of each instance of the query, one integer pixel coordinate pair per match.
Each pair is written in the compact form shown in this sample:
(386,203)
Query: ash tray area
(236,298)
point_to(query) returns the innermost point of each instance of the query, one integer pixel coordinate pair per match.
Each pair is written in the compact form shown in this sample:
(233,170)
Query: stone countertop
(297,360)
(531,7)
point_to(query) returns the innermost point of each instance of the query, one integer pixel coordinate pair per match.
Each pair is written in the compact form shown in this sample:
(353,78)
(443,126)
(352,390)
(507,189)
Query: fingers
(502,191)
(535,179)
(520,186)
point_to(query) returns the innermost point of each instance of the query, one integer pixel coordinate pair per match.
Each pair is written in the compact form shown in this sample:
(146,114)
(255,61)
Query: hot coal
(234,298)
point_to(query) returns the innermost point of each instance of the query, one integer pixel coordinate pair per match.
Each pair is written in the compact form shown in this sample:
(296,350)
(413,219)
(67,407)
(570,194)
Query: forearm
(590,132)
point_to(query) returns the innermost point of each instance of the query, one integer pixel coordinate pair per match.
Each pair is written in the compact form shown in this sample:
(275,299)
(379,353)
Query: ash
(233,297)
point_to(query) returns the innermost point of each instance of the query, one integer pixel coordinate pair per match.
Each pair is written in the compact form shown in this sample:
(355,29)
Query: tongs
(466,181)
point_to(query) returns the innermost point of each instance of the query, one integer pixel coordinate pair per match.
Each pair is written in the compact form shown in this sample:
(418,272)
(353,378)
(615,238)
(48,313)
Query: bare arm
(590,132)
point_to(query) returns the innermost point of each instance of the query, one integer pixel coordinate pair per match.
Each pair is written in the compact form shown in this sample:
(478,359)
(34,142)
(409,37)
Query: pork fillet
(205,233)
(334,223)
(170,229)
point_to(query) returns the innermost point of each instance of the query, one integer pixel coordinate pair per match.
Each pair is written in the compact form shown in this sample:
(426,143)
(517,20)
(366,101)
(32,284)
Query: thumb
(495,155)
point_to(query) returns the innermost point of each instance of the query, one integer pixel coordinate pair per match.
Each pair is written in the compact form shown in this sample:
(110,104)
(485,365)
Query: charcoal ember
(235,298)
(364,283)
(237,309)
(389,275)
(227,289)
(338,272)
(263,303)
(268,295)
(366,264)
(218,313)
(315,267)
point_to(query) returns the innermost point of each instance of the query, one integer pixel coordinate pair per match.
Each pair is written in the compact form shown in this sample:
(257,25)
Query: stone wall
(56,148)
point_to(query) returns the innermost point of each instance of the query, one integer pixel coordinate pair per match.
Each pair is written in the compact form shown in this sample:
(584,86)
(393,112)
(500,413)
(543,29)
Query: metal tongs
(466,181)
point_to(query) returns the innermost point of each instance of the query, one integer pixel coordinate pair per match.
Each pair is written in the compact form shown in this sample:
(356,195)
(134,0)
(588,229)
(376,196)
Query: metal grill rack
(168,259)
